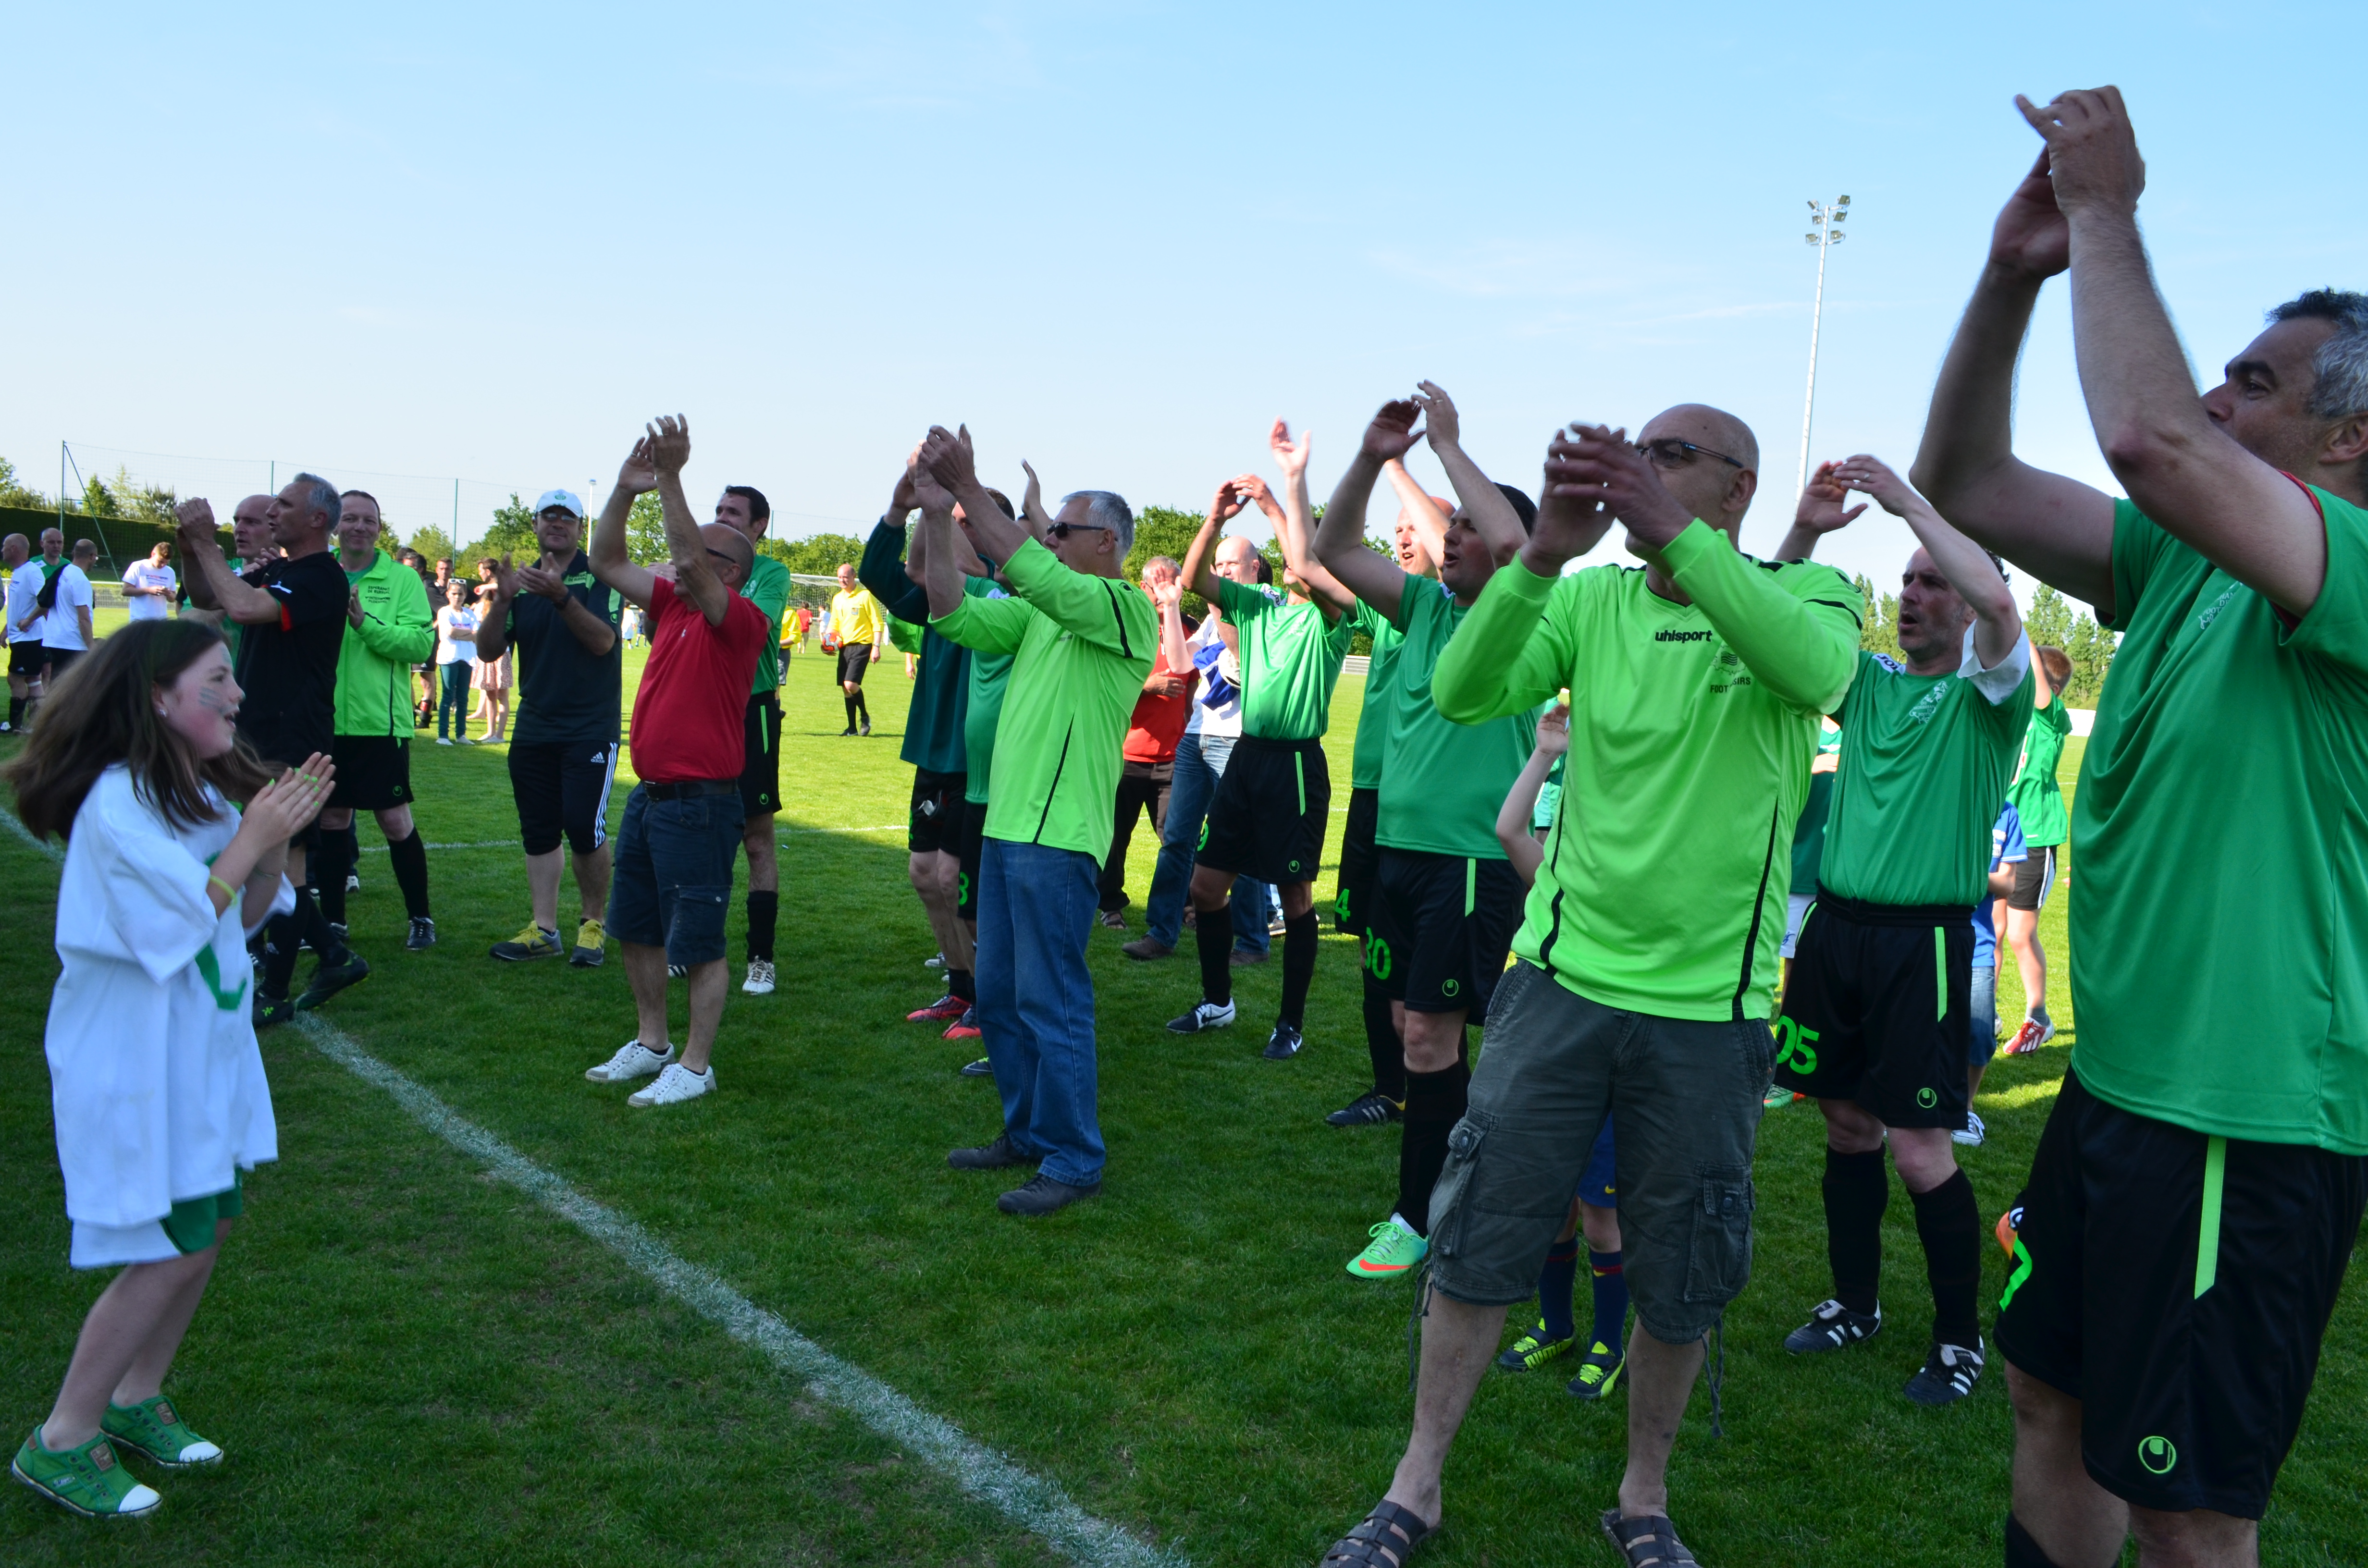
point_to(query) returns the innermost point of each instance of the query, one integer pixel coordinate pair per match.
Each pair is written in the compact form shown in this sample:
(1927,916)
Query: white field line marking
(513,844)
(1027,1500)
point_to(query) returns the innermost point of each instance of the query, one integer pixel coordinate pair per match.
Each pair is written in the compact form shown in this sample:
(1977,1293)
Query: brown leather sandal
(1648,1542)
(1385,1540)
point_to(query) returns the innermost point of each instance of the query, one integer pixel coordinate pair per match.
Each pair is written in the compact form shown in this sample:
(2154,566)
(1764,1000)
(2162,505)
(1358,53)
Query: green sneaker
(153,1428)
(1533,1349)
(87,1479)
(1776,1098)
(1598,1369)
(1393,1250)
(531,942)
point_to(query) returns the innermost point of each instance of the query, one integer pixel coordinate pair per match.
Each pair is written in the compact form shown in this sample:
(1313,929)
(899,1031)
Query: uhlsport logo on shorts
(1927,1099)
(2157,1454)
(1450,986)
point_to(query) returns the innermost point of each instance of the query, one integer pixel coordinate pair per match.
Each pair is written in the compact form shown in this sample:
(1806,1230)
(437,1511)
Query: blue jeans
(1036,1001)
(673,878)
(452,698)
(1199,765)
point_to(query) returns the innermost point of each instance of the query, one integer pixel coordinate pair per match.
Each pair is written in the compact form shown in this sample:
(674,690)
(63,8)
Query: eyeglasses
(731,560)
(1063,531)
(1670,453)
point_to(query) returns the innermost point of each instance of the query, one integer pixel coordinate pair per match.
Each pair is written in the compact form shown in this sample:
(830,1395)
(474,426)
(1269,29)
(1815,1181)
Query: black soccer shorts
(1879,1009)
(2179,1286)
(1361,863)
(1440,927)
(1270,811)
(938,807)
(561,789)
(760,769)
(373,772)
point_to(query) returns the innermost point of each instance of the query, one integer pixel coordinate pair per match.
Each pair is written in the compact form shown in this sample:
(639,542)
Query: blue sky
(488,240)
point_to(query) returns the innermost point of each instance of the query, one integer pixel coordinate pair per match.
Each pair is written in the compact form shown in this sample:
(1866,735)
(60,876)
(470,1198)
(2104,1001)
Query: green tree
(432,542)
(2088,645)
(97,500)
(512,534)
(818,555)
(14,491)
(1880,633)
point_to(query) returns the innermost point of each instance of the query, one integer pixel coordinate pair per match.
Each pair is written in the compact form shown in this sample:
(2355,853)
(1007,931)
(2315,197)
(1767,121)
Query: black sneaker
(1205,1016)
(1831,1327)
(981,1068)
(423,934)
(867,728)
(1042,1195)
(1283,1043)
(991,1156)
(849,731)
(270,1010)
(331,978)
(1371,1108)
(1949,1375)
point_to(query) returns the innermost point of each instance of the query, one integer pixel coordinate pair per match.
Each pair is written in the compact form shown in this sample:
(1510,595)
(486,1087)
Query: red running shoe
(947,1007)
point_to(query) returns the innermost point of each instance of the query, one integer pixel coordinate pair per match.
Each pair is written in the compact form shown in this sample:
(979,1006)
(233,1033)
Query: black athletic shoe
(1371,1108)
(1042,1195)
(1949,1375)
(423,934)
(331,978)
(867,728)
(270,1010)
(353,881)
(991,1156)
(849,731)
(981,1068)
(1283,1043)
(1205,1016)
(1831,1327)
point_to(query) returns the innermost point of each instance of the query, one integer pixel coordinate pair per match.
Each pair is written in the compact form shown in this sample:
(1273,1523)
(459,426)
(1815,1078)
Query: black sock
(410,858)
(1434,1103)
(1556,1281)
(280,952)
(960,986)
(16,712)
(1948,1222)
(330,862)
(764,912)
(2022,1552)
(1214,931)
(863,708)
(1300,934)
(1857,1189)
(850,712)
(1382,1044)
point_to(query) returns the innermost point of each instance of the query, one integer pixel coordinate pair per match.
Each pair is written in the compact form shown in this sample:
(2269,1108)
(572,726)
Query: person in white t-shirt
(65,629)
(150,586)
(23,614)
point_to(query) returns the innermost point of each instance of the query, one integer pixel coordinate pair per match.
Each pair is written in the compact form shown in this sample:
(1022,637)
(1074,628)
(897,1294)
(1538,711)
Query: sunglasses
(1670,453)
(1063,531)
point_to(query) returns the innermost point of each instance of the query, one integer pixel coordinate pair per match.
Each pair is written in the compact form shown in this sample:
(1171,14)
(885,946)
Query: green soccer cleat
(1393,1250)
(153,1428)
(1534,1350)
(89,1479)
(1598,1369)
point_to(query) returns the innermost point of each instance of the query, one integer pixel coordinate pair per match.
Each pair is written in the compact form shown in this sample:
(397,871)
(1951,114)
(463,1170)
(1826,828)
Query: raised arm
(1298,552)
(952,462)
(1522,847)
(1340,540)
(941,578)
(611,562)
(2058,529)
(1823,510)
(1997,623)
(1198,574)
(1169,598)
(694,570)
(212,585)
(1491,514)
(1295,528)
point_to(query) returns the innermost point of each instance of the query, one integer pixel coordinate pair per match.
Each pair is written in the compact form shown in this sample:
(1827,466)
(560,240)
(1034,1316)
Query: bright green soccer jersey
(768,588)
(2038,798)
(2219,930)
(1691,730)
(989,671)
(1291,659)
(1442,783)
(1809,832)
(1925,765)
(1080,647)
(1372,719)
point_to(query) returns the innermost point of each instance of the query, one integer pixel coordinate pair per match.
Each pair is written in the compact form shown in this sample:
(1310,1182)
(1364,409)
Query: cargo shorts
(1684,1096)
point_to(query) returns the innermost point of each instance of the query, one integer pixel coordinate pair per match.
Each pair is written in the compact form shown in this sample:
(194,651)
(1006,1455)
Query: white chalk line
(513,844)
(1027,1500)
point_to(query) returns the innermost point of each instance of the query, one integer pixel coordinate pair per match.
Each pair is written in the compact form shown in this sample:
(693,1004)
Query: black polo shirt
(567,694)
(288,669)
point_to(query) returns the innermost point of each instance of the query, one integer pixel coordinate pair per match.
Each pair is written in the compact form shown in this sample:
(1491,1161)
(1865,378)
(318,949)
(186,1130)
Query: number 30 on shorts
(1377,957)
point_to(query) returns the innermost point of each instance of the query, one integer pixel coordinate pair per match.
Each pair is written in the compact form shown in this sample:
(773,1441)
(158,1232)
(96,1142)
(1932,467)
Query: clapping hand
(353,608)
(1823,507)
(2092,156)
(533,579)
(1874,478)
(1602,463)
(639,473)
(1228,504)
(1553,731)
(924,490)
(196,518)
(1573,514)
(1290,457)
(670,443)
(1438,413)
(1253,489)
(280,809)
(949,458)
(1392,434)
(1032,500)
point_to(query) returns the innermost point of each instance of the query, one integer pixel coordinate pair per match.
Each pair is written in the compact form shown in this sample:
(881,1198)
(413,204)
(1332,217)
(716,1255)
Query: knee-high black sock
(280,953)
(289,931)
(410,858)
(1948,1222)
(1300,934)
(16,712)
(329,864)
(2022,1552)
(764,911)
(863,706)
(961,986)
(1214,932)
(1382,1044)
(850,710)
(1857,1189)
(1434,1103)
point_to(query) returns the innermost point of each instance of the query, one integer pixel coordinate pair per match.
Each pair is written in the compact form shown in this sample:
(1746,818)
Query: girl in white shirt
(456,662)
(155,1082)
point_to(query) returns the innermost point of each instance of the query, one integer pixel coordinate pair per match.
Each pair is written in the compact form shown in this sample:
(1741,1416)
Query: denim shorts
(1982,1037)
(1684,1098)
(673,878)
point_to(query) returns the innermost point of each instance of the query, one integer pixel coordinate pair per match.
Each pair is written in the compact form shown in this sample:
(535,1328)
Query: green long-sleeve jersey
(374,661)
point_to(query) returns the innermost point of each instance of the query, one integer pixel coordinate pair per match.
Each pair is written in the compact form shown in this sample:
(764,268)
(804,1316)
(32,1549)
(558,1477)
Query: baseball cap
(550,498)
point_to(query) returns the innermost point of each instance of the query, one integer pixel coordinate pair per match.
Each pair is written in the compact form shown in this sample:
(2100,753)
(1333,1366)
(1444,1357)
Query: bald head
(739,557)
(13,549)
(1716,481)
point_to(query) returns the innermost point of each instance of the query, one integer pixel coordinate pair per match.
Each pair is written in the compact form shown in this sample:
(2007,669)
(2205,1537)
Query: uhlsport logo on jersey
(1669,636)
(2157,1454)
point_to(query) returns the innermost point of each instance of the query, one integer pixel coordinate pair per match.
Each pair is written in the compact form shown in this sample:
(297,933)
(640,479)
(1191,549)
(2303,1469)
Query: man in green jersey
(989,673)
(1648,948)
(1879,1001)
(2199,1187)
(389,627)
(1274,803)
(1080,637)
(2038,802)
(744,509)
(1445,902)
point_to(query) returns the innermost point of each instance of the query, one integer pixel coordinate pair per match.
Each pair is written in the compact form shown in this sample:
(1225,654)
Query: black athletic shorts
(761,772)
(970,846)
(561,789)
(1270,810)
(1879,1009)
(2191,1363)
(59,659)
(27,658)
(1361,863)
(937,809)
(1439,929)
(373,772)
(2035,878)
(854,658)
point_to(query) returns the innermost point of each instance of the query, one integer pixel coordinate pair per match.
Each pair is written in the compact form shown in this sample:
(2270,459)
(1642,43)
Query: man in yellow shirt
(862,630)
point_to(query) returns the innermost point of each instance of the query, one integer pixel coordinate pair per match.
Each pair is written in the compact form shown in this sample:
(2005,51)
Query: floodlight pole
(1827,218)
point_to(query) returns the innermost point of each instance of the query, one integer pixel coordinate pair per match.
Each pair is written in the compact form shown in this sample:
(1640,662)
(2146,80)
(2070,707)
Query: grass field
(410,1360)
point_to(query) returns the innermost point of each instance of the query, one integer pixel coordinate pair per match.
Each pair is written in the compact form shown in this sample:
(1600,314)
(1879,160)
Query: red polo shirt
(689,716)
(1158,722)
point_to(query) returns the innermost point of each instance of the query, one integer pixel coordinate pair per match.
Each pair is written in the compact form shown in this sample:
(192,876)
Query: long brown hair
(103,711)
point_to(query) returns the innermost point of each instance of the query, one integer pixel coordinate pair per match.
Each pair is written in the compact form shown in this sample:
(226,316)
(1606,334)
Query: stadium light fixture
(1826,220)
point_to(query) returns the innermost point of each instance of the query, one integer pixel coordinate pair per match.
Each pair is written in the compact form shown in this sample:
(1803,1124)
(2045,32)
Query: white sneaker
(675,1084)
(936,962)
(760,978)
(1205,1015)
(1971,1133)
(634,1059)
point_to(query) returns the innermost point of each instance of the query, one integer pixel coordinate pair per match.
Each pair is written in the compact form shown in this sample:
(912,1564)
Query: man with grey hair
(2198,1189)
(24,616)
(1081,642)
(66,631)
(290,615)
(1147,769)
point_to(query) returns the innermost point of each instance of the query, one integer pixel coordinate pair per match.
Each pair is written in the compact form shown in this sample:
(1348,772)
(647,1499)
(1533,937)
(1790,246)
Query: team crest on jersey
(1927,705)
(2211,611)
